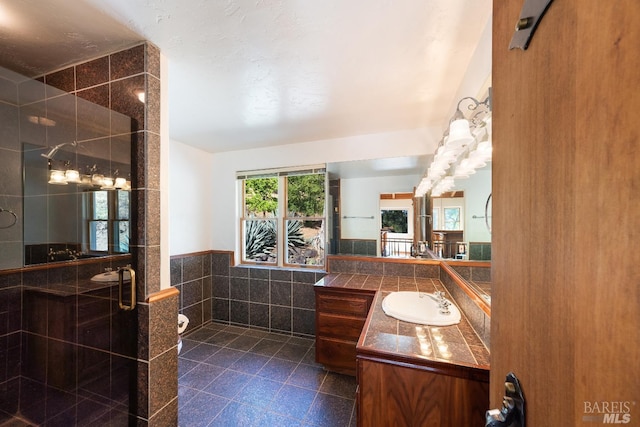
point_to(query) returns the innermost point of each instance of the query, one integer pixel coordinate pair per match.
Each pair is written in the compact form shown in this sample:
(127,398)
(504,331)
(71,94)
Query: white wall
(476,190)
(223,194)
(361,197)
(478,76)
(190,187)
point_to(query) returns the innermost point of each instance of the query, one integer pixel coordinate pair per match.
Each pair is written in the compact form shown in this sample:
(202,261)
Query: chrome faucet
(443,303)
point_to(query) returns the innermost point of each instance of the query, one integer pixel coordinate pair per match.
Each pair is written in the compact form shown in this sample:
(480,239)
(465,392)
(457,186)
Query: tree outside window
(302,233)
(108,221)
(305,219)
(395,220)
(452,218)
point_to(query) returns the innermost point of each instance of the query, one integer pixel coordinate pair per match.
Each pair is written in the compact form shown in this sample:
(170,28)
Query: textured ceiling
(246,74)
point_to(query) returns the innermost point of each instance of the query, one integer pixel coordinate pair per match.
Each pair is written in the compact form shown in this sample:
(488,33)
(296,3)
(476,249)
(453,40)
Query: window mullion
(282,220)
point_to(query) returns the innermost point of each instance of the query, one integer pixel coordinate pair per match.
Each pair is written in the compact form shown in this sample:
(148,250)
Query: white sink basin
(419,307)
(110,276)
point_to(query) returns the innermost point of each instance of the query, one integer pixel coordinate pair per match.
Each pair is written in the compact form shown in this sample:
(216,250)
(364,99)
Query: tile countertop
(423,345)
(64,289)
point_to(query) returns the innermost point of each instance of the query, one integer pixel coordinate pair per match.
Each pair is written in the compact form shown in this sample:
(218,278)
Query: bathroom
(185,274)
(85,107)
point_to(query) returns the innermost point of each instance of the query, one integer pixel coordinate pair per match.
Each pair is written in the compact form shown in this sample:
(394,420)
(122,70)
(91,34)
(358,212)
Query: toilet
(183,322)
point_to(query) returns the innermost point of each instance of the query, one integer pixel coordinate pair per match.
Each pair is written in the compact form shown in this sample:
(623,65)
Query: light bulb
(57,177)
(120,182)
(107,183)
(72,175)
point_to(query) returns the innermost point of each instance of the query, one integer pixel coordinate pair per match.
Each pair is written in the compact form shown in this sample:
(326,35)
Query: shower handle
(132,303)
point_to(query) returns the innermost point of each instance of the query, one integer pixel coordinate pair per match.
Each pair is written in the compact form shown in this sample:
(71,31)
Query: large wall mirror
(364,194)
(66,175)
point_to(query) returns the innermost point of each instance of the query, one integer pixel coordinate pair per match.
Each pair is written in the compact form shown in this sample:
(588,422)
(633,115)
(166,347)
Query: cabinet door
(392,395)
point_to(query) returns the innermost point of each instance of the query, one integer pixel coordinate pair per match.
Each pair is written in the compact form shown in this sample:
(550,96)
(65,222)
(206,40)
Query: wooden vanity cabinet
(340,317)
(401,393)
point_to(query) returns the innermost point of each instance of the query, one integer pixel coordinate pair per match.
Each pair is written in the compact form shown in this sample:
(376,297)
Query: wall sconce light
(459,133)
(64,175)
(61,173)
(56,177)
(107,183)
(97,179)
(464,147)
(85,181)
(72,175)
(120,182)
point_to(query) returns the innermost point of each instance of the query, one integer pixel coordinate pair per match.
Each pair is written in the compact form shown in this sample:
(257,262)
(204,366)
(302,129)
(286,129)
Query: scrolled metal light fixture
(464,147)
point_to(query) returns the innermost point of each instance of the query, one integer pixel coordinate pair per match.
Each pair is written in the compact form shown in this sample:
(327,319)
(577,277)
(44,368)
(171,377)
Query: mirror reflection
(65,170)
(374,213)
(82,214)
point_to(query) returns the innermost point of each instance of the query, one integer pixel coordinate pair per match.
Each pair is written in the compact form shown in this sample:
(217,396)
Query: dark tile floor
(231,376)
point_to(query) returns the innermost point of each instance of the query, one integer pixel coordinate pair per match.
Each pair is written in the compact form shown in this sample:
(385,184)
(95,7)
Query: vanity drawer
(340,316)
(344,303)
(339,326)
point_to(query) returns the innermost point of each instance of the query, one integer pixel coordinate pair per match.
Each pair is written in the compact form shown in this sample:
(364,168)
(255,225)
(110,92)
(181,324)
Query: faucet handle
(444,307)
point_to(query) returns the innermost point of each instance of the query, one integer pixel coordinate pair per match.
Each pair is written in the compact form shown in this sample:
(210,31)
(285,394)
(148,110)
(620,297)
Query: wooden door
(566,212)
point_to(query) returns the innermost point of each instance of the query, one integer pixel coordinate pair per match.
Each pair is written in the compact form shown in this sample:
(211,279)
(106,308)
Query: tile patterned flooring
(233,376)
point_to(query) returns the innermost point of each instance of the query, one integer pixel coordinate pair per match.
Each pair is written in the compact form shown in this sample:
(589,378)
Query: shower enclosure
(69,354)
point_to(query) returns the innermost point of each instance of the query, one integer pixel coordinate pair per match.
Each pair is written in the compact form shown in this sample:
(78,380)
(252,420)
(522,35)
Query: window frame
(281,216)
(112,220)
(444,218)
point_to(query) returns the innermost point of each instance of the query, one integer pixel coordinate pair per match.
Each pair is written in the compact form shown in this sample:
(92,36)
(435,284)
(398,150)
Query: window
(395,220)
(452,218)
(448,212)
(108,221)
(283,218)
(435,215)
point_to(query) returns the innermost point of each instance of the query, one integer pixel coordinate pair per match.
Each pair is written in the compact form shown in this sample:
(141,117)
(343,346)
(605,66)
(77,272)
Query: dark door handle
(512,412)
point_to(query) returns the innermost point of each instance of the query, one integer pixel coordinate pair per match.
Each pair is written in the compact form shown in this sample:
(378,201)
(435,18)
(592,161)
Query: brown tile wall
(473,273)
(271,299)
(10,332)
(191,275)
(382,268)
(480,322)
(140,344)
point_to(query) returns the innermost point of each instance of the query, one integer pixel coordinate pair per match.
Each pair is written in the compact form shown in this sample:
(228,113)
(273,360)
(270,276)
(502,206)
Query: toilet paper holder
(183,322)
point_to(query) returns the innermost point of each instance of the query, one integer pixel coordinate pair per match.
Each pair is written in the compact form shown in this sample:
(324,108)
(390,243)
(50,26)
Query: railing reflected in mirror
(356,226)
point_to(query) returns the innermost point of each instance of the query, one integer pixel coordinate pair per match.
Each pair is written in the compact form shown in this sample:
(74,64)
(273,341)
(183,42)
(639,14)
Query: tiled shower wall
(10,175)
(112,81)
(273,299)
(10,329)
